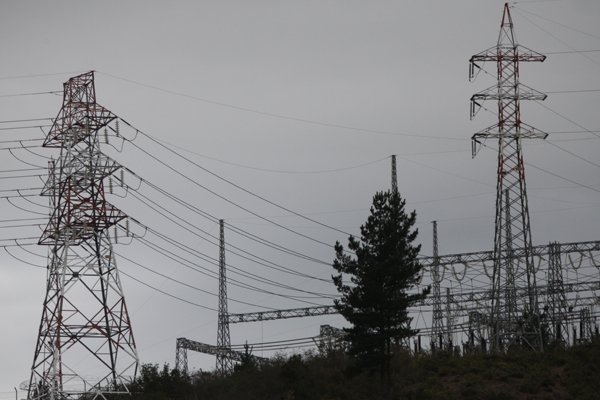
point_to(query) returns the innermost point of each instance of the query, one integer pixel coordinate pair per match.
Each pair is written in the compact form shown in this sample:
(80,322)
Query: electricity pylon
(513,319)
(224,362)
(85,347)
(557,300)
(436,294)
(394,175)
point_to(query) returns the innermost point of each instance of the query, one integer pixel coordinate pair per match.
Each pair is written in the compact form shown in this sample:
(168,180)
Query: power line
(186,284)
(571,47)
(229,201)
(166,293)
(267,169)
(25,127)
(572,52)
(564,26)
(235,185)
(573,91)
(230,266)
(210,273)
(40,75)
(213,219)
(28,94)
(26,120)
(280,116)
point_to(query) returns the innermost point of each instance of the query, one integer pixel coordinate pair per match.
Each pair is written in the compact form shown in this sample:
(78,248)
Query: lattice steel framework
(85,325)
(183,345)
(224,363)
(394,175)
(436,295)
(512,319)
(557,302)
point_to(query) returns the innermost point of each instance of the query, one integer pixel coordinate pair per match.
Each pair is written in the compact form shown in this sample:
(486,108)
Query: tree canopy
(383,275)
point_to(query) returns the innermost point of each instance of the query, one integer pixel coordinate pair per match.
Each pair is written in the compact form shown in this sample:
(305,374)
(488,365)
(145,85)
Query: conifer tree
(384,274)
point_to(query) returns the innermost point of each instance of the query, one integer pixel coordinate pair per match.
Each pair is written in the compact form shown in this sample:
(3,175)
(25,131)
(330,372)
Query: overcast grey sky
(301,103)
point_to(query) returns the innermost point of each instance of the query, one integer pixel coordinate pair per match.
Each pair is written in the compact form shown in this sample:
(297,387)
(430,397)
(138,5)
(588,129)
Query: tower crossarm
(282,314)
(503,53)
(522,92)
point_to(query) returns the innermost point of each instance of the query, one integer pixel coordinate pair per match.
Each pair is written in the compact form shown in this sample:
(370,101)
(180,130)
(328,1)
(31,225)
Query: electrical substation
(516,294)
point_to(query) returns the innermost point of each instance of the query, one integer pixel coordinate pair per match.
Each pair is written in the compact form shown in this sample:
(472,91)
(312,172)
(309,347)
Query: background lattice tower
(436,294)
(224,363)
(85,326)
(557,301)
(513,318)
(181,359)
(394,175)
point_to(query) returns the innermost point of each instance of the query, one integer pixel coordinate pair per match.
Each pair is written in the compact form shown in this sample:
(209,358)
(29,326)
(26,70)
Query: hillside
(556,374)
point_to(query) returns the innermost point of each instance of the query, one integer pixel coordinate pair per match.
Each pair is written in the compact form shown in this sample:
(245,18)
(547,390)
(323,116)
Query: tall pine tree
(383,276)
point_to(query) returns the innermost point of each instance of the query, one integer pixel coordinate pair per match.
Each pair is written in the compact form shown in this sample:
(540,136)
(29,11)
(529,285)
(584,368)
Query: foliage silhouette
(383,276)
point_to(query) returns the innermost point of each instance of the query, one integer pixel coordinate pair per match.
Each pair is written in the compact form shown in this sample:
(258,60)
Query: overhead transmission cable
(227,200)
(280,116)
(569,46)
(563,25)
(166,293)
(229,266)
(215,220)
(187,284)
(211,274)
(262,261)
(233,184)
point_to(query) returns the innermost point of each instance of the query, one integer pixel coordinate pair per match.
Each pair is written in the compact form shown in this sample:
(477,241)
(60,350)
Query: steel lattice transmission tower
(224,364)
(557,300)
(394,175)
(85,327)
(513,319)
(436,295)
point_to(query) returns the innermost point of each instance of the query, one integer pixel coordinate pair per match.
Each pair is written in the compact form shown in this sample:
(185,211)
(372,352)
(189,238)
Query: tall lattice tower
(394,175)
(557,302)
(437,327)
(514,316)
(85,346)
(224,363)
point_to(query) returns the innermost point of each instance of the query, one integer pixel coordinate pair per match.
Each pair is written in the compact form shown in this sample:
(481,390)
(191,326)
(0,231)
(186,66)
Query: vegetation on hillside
(558,374)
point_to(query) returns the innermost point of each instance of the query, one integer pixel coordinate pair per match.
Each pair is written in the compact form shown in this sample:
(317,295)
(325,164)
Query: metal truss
(183,345)
(488,256)
(282,314)
(224,364)
(437,321)
(85,325)
(444,261)
(557,303)
(394,175)
(513,320)
(330,337)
